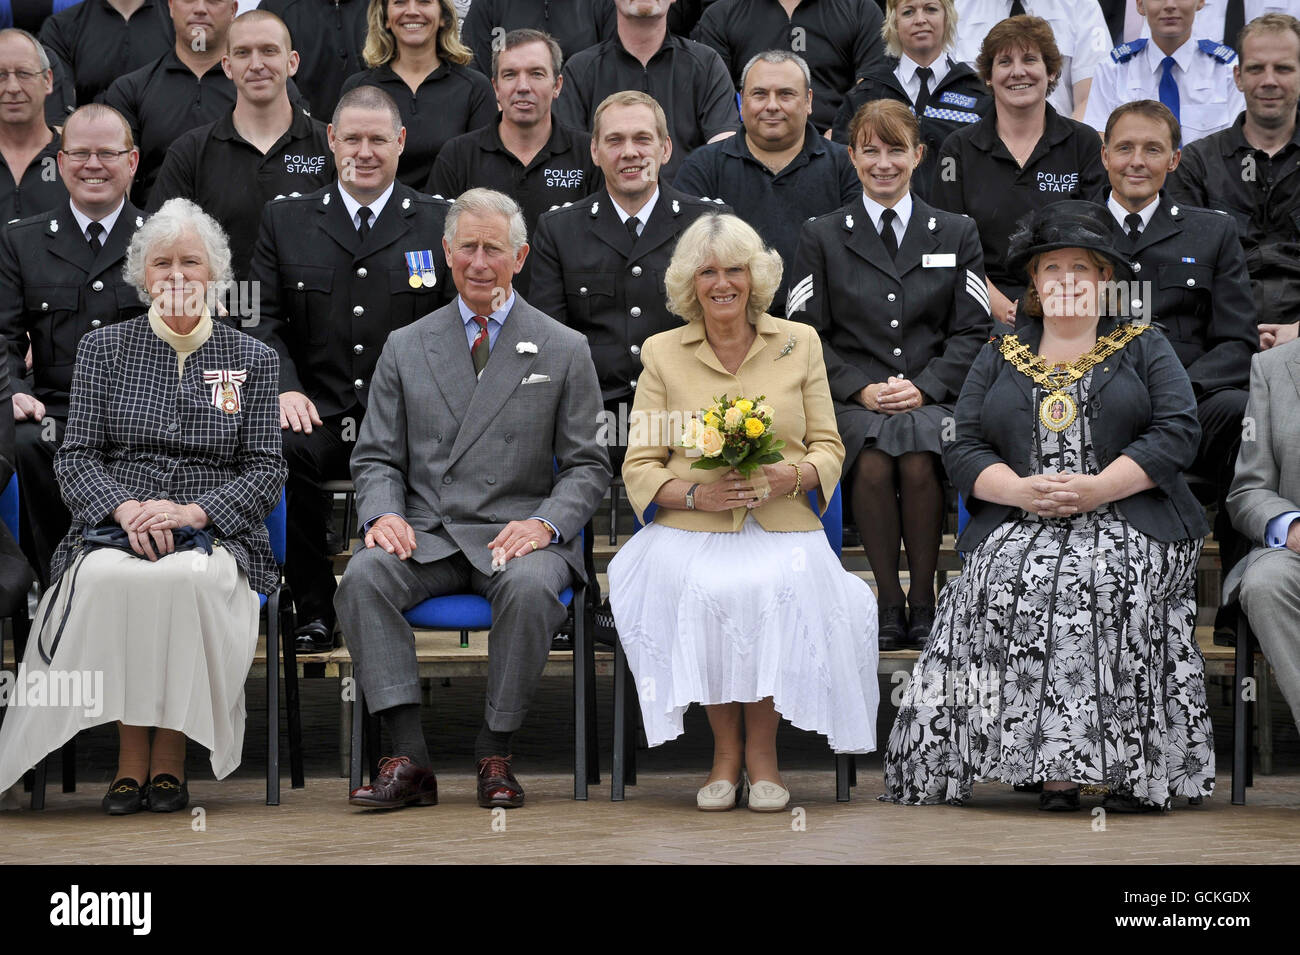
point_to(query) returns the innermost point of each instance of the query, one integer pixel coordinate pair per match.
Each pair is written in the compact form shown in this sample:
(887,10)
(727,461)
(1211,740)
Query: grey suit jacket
(1267,480)
(458,458)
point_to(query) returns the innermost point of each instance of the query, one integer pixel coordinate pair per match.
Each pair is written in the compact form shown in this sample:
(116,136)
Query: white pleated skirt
(737,617)
(166,643)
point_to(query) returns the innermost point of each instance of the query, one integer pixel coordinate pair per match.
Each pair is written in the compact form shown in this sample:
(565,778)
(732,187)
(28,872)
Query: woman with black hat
(1065,653)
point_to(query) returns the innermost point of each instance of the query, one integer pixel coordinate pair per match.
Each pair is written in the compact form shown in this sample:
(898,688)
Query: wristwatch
(690,498)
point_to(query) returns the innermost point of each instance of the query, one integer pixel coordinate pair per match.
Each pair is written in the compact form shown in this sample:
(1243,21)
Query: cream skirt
(165,644)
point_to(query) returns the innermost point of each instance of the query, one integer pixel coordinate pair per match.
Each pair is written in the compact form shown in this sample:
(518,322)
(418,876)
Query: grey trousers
(526,611)
(1270,596)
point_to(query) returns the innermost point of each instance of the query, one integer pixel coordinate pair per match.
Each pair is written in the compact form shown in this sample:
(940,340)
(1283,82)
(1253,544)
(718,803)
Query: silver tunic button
(636,270)
(301,286)
(582,290)
(893,323)
(897,352)
(45,306)
(891,296)
(97,285)
(358,311)
(358,349)
(632,382)
(1191,281)
(95,323)
(635,349)
(362,273)
(635,311)
(358,383)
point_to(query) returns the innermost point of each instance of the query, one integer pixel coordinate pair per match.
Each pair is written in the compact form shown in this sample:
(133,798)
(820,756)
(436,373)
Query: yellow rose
(754,427)
(733,417)
(711,420)
(709,442)
(691,433)
(745,405)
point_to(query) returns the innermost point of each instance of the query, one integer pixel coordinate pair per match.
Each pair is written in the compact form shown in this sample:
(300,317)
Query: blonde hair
(631,98)
(728,241)
(894,46)
(381,45)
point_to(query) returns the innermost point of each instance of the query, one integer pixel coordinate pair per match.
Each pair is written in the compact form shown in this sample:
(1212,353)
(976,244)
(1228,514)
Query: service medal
(1057,411)
(225,388)
(229,398)
(414,281)
(427,279)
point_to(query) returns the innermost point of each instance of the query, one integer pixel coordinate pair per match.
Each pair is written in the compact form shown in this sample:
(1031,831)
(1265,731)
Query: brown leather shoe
(497,785)
(400,783)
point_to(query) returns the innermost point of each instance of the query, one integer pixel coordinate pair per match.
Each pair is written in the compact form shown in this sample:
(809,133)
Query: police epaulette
(1220,51)
(1126,51)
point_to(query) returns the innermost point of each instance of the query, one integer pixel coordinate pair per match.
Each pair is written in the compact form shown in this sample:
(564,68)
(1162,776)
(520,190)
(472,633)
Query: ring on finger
(533,544)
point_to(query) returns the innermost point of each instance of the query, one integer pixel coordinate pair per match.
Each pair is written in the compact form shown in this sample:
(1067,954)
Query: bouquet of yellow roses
(733,433)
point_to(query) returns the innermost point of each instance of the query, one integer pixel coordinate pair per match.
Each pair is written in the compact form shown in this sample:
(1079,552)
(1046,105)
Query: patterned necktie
(887,235)
(1017,9)
(923,97)
(94,235)
(1134,223)
(1168,88)
(364,215)
(478,352)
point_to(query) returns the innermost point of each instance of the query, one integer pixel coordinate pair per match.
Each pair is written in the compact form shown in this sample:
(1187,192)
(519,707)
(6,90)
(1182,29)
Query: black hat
(1068,224)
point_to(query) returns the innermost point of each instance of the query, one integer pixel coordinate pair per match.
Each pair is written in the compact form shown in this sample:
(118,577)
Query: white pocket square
(535,379)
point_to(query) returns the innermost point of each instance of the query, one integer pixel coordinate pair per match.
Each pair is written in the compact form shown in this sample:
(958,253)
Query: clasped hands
(1061,495)
(149,524)
(516,539)
(733,489)
(891,397)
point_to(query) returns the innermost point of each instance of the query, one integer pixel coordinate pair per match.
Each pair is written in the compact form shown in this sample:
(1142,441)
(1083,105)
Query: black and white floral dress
(1064,651)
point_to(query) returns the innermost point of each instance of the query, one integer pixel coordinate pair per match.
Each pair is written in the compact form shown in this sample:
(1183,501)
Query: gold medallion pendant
(1057,411)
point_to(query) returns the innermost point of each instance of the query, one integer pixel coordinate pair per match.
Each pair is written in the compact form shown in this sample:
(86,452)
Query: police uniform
(328,36)
(1212,20)
(1191,264)
(922,315)
(1262,194)
(1208,98)
(54,289)
(958,98)
(328,302)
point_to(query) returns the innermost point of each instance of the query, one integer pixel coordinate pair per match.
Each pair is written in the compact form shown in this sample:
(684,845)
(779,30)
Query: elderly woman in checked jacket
(173,428)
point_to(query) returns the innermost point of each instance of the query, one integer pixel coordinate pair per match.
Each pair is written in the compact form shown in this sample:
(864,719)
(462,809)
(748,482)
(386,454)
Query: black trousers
(1220,415)
(43,519)
(314,459)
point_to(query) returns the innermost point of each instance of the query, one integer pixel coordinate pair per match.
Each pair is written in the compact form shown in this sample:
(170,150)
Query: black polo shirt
(978,177)
(328,35)
(575,24)
(817,181)
(839,39)
(686,78)
(231,179)
(41,187)
(98,46)
(1262,193)
(452,100)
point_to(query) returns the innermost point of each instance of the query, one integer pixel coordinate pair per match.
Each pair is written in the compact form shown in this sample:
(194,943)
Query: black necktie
(1017,9)
(923,97)
(1134,223)
(887,232)
(364,215)
(1233,20)
(94,235)
(631,224)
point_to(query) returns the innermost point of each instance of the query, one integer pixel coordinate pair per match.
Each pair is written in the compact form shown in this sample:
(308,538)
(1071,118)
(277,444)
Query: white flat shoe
(721,796)
(767,797)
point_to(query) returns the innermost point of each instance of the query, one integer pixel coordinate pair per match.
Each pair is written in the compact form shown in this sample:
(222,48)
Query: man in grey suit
(476,468)
(1264,504)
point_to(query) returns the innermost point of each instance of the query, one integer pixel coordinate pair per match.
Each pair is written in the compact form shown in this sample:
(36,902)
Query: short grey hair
(487,202)
(42,57)
(172,220)
(775,57)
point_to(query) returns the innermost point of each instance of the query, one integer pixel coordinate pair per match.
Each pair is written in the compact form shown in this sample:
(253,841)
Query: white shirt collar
(1120,213)
(375,207)
(907,68)
(643,214)
(499,316)
(107,221)
(902,209)
(1182,56)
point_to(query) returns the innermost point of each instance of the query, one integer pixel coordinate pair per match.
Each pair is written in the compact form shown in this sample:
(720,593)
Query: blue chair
(278,622)
(466,612)
(623,769)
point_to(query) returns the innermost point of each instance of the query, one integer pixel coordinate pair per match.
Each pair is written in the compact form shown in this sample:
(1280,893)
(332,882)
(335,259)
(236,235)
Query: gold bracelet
(798,483)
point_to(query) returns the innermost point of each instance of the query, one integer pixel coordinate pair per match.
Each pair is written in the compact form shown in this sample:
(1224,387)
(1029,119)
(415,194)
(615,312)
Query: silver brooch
(54,225)
(325,200)
(139,221)
(789,346)
(848,222)
(1173,210)
(595,207)
(406,203)
(930,224)
(677,207)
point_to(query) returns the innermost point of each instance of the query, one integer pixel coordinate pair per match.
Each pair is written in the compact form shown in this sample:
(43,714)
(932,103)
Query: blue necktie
(1168,88)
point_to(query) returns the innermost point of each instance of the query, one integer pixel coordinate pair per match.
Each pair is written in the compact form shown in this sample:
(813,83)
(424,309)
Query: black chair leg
(38,784)
(853,771)
(374,743)
(617,771)
(464,639)
(613,514)
(273,635)
(292,702)
(1241,755)
(358,747)
(842,774)
(70,766)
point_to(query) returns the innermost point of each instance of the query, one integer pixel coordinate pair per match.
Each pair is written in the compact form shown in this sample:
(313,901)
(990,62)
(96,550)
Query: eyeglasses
(24,76)
(105,156)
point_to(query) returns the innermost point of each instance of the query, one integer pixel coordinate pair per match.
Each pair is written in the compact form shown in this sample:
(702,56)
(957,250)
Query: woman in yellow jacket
(732,596)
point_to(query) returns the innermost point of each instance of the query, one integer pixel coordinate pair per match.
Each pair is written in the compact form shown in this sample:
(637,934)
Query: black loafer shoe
(314,637)
(919,622)
(1059,800)
(124,797)
(893,627)
(1028,787)
(167,793)
(1121,802)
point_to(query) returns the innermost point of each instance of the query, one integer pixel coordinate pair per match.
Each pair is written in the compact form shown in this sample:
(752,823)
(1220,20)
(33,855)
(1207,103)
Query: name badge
(958,99)
(939,260)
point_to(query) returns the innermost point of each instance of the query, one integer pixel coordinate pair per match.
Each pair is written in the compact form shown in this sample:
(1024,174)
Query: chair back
(276,528)
(9,506)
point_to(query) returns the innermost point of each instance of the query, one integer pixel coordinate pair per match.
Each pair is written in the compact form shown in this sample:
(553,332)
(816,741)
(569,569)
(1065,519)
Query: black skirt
(920,429)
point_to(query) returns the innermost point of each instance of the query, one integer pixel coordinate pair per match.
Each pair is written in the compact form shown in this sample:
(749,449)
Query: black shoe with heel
(920,620)
(1059,800)
(893,627)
